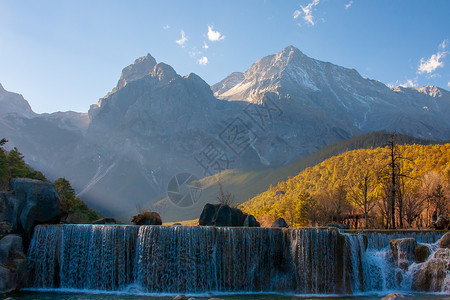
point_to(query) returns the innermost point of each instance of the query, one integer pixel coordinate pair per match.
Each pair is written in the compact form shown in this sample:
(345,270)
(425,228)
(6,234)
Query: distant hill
(246,184)
(323,180)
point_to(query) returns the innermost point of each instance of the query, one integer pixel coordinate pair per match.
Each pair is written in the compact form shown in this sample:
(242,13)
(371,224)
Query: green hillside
(246,184)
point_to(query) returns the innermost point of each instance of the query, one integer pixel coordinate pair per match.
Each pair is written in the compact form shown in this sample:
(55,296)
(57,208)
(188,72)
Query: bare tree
(225,197)
(394,173)
(363,193)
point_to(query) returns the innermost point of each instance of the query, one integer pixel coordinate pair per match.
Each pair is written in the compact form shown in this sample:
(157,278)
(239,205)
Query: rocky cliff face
(228,83)
(12,103)
(156,124)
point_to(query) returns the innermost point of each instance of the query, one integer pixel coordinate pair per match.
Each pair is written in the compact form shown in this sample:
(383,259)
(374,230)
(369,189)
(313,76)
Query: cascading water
(184,259)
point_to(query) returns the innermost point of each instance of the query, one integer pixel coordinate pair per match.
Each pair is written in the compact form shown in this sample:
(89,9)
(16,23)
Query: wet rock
(106,221)
(5,229)
(403,251)
(422,252)
(393,296)
(444,242)
(443,222)
(180,297)
(431,275)
(221,215)
(280,223)
(250,221)
(207,215)
(147,218)
(29,203)
(228,216)
(13,263)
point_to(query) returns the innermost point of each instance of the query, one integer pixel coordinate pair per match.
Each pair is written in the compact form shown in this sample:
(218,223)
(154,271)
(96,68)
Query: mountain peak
(163,72)
(14,103)
(290,51)
(141,67)
(431,90)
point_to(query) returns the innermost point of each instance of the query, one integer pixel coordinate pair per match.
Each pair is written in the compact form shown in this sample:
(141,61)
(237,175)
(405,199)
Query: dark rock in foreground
(280,223)
(29,203)
(250,221)
(422,253)
(224,215)
(13,263)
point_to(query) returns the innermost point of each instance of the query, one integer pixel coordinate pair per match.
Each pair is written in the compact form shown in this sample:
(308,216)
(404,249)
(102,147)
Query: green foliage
(16,165)
(12,165)
(79,212)
(4,173)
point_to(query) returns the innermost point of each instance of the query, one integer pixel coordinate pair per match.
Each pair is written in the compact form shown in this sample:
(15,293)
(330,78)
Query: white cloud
(443,45)
(435,61)
(205,45)
(183,39)
(409,83)
(165,27)
(203,61)
(448,83)
(430,65)
(214,35)
(348,4)
(306,12)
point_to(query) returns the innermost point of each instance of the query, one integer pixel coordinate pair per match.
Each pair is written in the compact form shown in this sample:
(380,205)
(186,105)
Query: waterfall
(185,259)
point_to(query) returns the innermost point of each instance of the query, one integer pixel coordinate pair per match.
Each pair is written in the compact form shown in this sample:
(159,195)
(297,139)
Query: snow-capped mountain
(368,105)
(156,124)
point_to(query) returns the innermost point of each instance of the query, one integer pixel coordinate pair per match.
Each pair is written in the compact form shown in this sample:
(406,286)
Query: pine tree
(16,165)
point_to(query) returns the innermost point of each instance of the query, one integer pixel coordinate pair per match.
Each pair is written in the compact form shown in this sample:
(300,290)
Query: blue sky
(65,55)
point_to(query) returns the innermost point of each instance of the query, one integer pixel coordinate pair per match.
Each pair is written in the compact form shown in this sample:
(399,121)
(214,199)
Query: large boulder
(443,222)
(250,221)
(208,215)
(222,215)
(13,263)
(280,223)
(403,251)
(431,276)
(147,218)
(29,203)
(422,252)
(444,242)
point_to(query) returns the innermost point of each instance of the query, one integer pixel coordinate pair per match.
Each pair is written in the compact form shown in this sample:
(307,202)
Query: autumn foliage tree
(360,182)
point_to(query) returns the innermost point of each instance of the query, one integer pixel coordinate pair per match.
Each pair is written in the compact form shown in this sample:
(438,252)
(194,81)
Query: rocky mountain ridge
(156,124)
